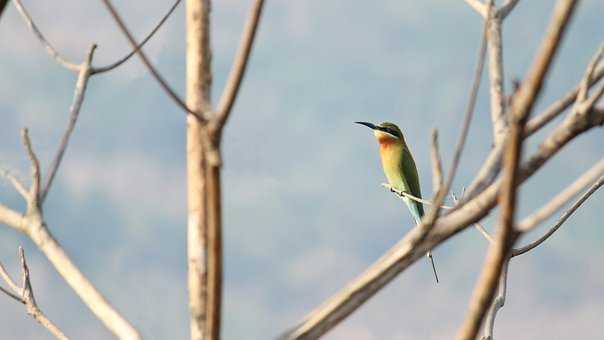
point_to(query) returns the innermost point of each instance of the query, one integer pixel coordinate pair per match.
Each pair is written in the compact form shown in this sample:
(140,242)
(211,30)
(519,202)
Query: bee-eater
(399,168)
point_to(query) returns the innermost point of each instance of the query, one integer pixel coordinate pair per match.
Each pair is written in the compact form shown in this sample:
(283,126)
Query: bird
(400,170)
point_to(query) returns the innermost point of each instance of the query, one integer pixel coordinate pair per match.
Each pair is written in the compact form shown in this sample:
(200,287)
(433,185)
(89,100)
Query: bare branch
(497,304)
(506,235)
(15,182)
(78,99)
(49,48)
(521,107)
(411,197)
(118,63)
(506,8)
(9,281)
(478,226)
(437,167)
(487,173)
(204,309)
(587,78)
(492,164)
(496,80)
(559,200)
(10,294)
(25,295)
(528,92)
(530,87)
(34,191)
(162,82)
(559,106)
(562,219)
(428,220)
(231,89)
(11,218)
(33,225)
(478,6)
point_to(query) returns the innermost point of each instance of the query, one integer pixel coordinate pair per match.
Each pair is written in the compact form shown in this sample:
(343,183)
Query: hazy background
(304,209)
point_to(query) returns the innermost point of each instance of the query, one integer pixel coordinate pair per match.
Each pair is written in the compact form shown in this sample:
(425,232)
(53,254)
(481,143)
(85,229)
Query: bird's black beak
(369,125)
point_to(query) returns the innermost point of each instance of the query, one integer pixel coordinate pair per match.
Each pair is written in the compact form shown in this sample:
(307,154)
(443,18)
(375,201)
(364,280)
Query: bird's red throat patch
(385,141)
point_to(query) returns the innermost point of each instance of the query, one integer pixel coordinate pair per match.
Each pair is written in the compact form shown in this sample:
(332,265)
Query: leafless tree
(495,184)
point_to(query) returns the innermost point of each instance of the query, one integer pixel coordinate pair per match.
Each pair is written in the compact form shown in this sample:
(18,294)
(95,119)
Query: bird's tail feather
(431,259)
(417,217)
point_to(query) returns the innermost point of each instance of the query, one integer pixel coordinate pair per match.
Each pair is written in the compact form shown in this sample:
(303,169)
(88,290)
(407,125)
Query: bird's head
(386,133)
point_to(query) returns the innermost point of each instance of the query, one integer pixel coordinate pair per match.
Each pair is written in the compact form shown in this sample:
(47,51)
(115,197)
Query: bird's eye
(391,131)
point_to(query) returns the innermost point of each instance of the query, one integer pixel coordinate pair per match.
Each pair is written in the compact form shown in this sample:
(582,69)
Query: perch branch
(408,250)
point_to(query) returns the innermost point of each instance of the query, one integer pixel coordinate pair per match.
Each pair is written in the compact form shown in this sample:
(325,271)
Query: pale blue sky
(304,209)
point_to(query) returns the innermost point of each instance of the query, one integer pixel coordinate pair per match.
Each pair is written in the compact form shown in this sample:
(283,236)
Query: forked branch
(25,295)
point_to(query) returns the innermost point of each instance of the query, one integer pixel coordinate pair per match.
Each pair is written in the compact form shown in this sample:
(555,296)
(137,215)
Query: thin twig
(560,200)
(428,220)
(15,182)
(506,8)
(32,224)
(531,87)
(469,108)
(478,226)
(25,295)
(505,237)
(78,99)
(559,106)
(34,192)
(11,295)
(437,167)
(587,77)
(49,48)
(9,281)
(478,6)
(231,89)
(116,64)
(562,219)
(492,164)
(497,304)
(162,82)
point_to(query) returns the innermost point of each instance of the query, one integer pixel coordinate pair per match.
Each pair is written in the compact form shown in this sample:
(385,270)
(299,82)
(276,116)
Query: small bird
(399,168)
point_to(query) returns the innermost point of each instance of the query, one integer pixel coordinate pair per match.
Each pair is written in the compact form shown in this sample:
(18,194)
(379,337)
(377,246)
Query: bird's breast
(391,159)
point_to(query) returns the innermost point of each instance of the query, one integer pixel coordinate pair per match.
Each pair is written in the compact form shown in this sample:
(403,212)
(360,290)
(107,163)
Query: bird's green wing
(411,177)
